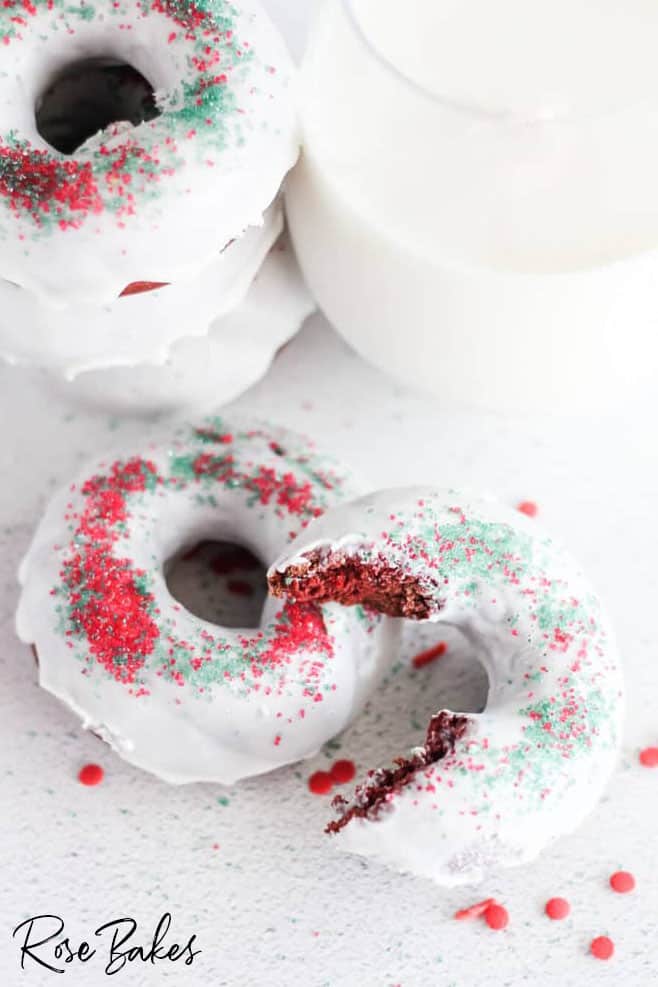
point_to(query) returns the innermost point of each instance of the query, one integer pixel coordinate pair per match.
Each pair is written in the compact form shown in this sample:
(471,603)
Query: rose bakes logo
(42,942)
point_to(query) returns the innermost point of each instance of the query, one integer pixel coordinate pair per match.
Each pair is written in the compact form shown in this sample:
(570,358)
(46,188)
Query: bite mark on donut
(338,577)
(443,732)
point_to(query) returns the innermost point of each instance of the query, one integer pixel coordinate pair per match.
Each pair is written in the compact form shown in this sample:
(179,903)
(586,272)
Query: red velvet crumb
(138,287)
(528,507)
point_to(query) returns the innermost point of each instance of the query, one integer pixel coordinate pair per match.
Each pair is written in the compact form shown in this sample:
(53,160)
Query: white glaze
(135,329)
(206,371)
(534,763)
(220,720)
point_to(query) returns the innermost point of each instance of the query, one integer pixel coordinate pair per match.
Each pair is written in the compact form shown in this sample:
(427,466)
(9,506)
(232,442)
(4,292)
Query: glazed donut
(153,202)
(143,327)
(201,371)
(492,789)
(172,693)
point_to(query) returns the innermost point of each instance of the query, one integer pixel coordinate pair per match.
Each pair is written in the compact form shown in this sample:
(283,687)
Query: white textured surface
(276,905)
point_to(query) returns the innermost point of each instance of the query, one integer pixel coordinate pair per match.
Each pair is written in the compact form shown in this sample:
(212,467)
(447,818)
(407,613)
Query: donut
(172,693)
(491,789)
(152,199)
(140,328)
(201,372)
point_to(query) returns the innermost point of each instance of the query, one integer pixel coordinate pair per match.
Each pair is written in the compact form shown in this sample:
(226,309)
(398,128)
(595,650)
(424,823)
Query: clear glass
(487,231)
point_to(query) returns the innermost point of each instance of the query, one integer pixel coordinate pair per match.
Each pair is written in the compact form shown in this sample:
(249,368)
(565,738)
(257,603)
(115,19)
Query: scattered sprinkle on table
(649,757)
(622,881)
(426,657)
(474,911)
(320,783)
(91,774)
(528,507)
(342,771)
(602,947)
(496,916)
(557,908)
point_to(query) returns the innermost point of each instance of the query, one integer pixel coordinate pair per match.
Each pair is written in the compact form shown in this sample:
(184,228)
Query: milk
(531,56)
(477,207)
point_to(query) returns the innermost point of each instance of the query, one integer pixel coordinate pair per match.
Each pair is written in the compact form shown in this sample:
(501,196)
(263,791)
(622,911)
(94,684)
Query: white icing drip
(135,329)
(204,372)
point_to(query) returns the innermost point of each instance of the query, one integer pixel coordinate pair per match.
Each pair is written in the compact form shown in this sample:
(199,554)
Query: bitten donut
(491,789)
(171,692)
(152,202)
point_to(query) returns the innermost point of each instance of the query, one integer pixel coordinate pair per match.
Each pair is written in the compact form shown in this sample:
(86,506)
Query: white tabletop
(271,900)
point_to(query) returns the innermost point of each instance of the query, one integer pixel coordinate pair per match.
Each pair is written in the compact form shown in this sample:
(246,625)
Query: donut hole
(448,677)
(219,581)
(397,716)
(87,96)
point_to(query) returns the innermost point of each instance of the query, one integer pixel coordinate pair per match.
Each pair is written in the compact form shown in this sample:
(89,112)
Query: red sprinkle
(649,757)
(557,908)
(320,783)
(91,774)
(342,772)
(496,916)
(240,587)
(426,657)
(622,881)
(602,947)
(474,911)
(528,507)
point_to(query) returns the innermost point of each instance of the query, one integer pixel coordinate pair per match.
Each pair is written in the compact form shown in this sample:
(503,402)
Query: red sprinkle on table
(91,774)
(528,507)
(240,587)
(602,947)
(622,882)
(474,911)
(557,908)
(342,772)
(496,916)
(320,783)
(427,657)
(649,757)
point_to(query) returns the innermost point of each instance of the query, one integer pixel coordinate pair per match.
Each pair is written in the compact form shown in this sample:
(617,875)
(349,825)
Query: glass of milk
(476,209)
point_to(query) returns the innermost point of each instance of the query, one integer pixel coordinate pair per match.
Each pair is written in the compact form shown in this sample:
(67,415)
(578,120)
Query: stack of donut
(143,144)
